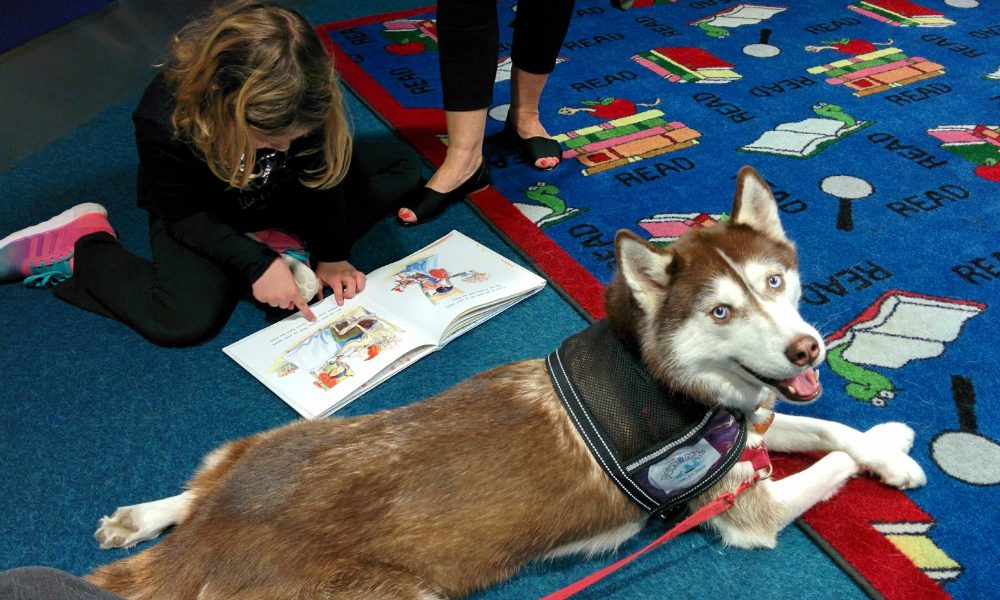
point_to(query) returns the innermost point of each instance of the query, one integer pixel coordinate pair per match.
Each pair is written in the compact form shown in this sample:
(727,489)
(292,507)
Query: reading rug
(875,123)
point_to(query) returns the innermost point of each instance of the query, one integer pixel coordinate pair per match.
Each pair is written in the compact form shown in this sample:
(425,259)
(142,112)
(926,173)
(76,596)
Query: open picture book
(408,309)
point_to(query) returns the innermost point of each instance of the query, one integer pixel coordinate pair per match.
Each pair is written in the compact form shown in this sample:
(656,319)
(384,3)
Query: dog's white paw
(885,454)
(125,528)
(893,435)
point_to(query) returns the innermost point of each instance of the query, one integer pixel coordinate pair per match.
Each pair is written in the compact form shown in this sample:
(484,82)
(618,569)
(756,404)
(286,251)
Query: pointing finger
(304,307)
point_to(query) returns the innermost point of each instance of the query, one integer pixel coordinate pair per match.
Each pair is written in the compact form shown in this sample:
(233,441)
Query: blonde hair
(256,66)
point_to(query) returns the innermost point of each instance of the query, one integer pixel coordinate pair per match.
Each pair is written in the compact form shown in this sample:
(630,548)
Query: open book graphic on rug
(803,138)
(408,309)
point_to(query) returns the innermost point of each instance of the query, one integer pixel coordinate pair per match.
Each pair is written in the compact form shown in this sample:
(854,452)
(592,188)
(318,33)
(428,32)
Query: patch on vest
(687,465)
(660,448)
(683,468)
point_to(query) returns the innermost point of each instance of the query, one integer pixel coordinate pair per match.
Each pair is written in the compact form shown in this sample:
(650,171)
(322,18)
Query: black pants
(44,583)
(182,297)
(469,40)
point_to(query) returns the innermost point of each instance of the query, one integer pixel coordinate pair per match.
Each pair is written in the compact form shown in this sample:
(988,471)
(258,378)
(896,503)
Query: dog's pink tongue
(802,387)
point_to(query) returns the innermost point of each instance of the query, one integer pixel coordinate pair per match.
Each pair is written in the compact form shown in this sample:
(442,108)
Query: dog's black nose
(803,350)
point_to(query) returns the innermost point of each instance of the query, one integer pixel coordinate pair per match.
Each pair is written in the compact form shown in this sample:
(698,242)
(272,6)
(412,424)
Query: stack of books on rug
(625,140)
(978,144)
(410,36)
(687,64)
(665,228)
(878,71)
(980,139)
(901,13)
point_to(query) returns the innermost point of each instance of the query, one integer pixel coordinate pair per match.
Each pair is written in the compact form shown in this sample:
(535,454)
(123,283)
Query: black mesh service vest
(661,448)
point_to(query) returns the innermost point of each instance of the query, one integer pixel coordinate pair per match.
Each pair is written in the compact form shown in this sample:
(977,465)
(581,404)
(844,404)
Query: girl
(242,131)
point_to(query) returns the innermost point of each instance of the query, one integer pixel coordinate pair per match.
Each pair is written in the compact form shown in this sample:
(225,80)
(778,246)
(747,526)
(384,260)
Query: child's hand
(342,278)
(277,288)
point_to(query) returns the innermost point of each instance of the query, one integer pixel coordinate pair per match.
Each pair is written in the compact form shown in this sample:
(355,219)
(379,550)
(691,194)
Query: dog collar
(661,448)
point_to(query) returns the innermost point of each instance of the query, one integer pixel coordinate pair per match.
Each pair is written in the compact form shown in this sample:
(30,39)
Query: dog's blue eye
(721,312)
(775,281)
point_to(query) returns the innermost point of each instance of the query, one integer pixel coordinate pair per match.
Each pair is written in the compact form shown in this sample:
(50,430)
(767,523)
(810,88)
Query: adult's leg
(468,41)
(44,583)
(525,94)
(539,31)
(466,131)
(180,298)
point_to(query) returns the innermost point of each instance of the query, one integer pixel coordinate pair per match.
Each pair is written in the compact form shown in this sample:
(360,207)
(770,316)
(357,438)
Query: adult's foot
(456,178)
(533,141)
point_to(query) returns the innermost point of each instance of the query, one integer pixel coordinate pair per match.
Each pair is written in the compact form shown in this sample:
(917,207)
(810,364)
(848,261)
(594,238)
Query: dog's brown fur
(444,496)
(455,493)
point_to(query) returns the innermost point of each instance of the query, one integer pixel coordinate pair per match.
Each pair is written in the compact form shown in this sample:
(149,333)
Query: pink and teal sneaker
(295,255)
(42,255)
(282,242)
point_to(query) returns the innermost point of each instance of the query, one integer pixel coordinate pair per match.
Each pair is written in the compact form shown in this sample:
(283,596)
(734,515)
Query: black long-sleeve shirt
(209,216)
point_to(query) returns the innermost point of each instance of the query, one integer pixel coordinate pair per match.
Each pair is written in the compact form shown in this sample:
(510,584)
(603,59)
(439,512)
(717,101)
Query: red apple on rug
(406,48)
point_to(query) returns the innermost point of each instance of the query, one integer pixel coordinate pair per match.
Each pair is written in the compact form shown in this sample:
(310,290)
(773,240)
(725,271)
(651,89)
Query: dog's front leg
(770,505)
(882,450)
(797,493)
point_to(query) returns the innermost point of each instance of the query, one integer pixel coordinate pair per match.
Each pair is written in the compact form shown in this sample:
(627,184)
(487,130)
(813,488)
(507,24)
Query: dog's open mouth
(804,387)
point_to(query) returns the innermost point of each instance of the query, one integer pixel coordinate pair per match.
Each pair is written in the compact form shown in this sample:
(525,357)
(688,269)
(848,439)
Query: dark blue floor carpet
(93,416)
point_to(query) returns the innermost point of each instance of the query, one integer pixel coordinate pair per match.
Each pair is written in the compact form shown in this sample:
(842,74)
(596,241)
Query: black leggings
(182,297)
(469,40)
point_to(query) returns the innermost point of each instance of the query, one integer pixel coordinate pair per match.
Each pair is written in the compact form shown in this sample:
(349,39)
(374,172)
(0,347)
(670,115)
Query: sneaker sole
(63,218)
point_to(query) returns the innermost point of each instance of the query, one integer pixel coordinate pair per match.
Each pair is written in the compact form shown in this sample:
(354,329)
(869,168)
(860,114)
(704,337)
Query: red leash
(756,456)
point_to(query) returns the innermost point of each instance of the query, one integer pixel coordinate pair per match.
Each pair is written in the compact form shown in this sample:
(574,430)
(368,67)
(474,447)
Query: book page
(454,279)
(317,367)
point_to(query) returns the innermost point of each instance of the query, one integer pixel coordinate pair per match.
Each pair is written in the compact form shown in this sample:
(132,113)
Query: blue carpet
(878,134)
(93,416)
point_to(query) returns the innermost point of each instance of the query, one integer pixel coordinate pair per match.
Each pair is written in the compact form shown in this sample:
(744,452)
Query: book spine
(862,67)
(887,16)
(872,15)
(652,66)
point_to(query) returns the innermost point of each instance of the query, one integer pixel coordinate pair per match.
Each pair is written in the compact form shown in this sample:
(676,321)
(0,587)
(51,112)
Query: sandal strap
(428,203)
(534,148)
(540,147)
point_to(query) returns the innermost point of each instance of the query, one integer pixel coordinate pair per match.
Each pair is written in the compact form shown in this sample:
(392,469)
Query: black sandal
(428,204)
(533,149)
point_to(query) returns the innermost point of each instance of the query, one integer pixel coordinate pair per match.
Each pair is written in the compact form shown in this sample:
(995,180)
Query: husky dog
(455,493)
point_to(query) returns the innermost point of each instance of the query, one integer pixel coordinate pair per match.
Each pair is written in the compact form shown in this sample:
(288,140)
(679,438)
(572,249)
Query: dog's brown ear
(644,268)
(755,206)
